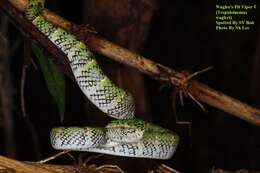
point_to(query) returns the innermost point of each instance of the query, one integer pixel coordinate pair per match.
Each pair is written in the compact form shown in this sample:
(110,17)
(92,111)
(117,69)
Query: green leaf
(54,79)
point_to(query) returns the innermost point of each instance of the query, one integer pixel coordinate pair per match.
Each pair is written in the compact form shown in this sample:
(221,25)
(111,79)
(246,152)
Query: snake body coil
(128,137)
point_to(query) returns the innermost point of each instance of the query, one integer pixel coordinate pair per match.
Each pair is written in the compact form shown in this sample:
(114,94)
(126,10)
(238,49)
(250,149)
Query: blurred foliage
(1,117)
(54,79)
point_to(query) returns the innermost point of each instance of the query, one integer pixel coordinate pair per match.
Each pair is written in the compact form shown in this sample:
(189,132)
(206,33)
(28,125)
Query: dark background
(178,34)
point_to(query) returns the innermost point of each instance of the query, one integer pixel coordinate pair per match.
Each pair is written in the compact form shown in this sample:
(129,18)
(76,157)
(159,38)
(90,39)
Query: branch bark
(227,171)
(14,166)
(102,46)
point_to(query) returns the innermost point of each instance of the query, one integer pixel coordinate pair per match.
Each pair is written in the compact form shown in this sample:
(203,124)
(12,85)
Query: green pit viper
(126,136)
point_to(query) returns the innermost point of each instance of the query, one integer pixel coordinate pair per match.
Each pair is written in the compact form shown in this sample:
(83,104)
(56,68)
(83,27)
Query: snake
(126,136)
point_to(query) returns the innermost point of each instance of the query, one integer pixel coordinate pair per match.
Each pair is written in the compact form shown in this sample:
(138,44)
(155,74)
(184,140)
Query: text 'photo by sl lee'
(236,16)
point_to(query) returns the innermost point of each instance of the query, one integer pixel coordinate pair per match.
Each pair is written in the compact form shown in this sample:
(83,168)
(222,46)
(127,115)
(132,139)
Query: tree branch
(100,45)
(14,166)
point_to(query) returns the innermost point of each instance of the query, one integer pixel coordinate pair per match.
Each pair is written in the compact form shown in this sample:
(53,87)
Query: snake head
(126,131)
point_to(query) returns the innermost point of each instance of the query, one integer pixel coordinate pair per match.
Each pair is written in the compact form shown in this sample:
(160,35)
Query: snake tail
(98,88)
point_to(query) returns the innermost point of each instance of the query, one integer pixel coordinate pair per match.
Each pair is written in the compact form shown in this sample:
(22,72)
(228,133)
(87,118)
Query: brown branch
(8,165)
(100,45)
(14,166)
(227,171)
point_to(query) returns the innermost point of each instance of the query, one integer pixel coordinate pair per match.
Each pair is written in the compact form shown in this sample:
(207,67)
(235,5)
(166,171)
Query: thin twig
(26,64)
(54,156)
(110,166)
(23,79)
(166,169)
(91,158)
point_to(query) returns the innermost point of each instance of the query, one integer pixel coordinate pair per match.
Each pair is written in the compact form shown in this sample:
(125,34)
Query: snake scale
(126,136)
